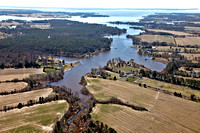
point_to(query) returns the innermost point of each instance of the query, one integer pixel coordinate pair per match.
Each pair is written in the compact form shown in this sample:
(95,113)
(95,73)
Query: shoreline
(161,60)
(97,52)
(72,65)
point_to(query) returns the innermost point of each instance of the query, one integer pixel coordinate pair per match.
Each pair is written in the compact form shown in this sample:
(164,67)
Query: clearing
(10,86)
(14,99)
(11,73)
(38,118)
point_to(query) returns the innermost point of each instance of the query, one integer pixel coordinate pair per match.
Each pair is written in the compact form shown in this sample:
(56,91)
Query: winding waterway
(120,47)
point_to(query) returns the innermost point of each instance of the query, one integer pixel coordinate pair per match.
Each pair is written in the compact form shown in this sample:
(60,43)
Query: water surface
(120,47)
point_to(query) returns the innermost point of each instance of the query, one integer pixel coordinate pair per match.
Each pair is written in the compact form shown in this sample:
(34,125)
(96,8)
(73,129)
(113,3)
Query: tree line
(195,84)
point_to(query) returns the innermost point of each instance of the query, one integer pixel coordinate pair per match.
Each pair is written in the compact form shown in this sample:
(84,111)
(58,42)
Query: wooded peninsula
(27,40)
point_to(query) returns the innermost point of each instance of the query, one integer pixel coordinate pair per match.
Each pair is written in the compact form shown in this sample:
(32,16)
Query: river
(120,47)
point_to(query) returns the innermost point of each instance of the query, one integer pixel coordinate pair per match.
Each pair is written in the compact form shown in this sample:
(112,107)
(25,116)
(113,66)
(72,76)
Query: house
(153,47)
(12,27)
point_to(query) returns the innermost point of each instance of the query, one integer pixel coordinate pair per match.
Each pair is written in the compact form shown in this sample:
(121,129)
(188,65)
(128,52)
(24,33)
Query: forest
(67,38)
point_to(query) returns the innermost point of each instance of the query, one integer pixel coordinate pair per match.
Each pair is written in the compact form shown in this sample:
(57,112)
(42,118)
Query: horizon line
(92,8)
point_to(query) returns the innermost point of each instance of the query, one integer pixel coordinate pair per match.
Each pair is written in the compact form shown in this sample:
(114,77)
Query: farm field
(179,49)
(14,99)
(104,89)
(179,33)
(34,119)
(192,41)
(11,73)
(156,38)
(11,86)
(166,113)
(192,29)
(170,114)
(170,87)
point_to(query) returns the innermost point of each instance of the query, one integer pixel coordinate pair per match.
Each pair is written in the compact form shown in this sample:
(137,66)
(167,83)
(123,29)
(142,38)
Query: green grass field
(127,69)
(34,119)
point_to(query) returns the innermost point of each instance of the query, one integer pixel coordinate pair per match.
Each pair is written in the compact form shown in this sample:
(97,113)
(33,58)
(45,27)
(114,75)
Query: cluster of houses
(131,74)
(121,63)
(50,61)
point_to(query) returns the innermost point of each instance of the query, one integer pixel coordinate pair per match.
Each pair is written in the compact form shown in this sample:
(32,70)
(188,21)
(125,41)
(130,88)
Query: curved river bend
(120,47)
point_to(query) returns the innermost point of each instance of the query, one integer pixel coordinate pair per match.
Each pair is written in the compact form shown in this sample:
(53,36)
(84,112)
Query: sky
(104,3)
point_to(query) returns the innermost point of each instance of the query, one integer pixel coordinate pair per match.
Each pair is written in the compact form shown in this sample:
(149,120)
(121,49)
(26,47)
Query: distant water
(115,14)
(120,47)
